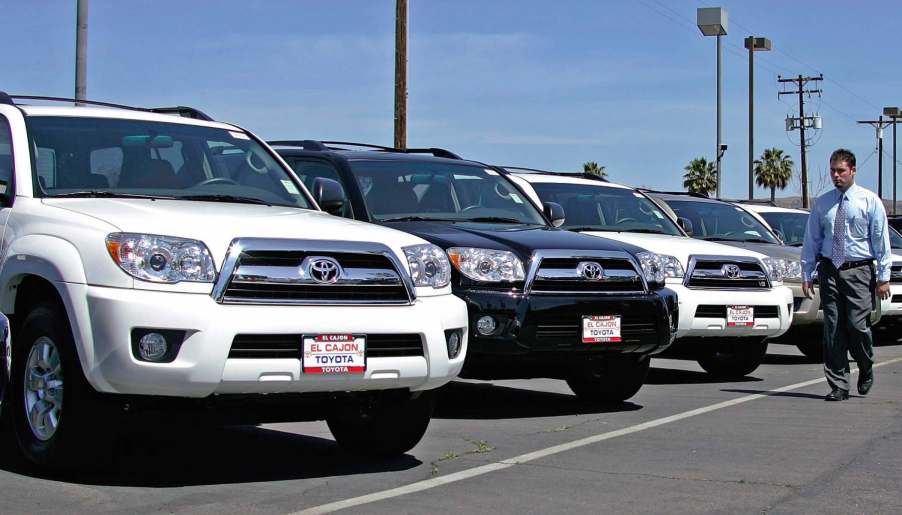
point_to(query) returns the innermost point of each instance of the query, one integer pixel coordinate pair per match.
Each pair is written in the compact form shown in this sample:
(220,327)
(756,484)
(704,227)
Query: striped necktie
(839,234)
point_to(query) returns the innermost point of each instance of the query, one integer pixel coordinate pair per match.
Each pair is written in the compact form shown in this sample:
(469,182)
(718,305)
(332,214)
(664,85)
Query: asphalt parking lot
(684,444)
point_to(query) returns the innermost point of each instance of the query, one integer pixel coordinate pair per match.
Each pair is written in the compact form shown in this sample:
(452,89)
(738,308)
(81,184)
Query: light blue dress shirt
(866,235)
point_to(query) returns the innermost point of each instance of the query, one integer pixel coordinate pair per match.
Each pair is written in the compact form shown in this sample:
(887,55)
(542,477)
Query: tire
(384,424)
(814,351)
(75,431)
(613,380)
(733,360)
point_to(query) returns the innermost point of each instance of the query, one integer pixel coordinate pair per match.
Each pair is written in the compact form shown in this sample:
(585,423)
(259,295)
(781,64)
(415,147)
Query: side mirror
(554,212)
(685,224)
(329,195)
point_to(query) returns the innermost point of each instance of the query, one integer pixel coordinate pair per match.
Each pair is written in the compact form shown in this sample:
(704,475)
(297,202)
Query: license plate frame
(333,354)
(740,316)
(601,329)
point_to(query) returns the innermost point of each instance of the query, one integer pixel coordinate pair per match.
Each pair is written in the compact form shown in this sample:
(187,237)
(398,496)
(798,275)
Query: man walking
(847,232)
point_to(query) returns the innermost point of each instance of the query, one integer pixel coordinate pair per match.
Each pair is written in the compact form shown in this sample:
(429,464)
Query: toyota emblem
(590,270)
(730,271)
(324,270)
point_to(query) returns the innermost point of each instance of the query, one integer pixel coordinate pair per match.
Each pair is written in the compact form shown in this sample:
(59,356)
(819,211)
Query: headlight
(792,271)
(651,267)
(776,268)
(428,265)
(161,259)
(487,265)
(670,265)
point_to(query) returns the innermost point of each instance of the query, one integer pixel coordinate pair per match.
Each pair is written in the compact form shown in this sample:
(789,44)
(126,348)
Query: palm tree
(773,170)
(700,176)
(591,167)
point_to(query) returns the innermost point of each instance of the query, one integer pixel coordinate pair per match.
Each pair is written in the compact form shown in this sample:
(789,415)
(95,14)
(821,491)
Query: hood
(768,249)
(218,223)
(520,239)
(680,247)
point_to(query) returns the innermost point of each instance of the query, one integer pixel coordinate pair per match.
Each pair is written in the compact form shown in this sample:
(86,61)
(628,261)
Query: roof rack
(338,145)
(761,202)
(306,144)
(582,175)
(686,193)
(184,111)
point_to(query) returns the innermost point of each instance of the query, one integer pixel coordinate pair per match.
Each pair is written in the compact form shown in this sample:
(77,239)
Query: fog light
(486,325)
(454,342)
(152,347)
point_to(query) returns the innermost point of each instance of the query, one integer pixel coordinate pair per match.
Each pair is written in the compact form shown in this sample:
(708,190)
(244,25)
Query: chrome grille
(712,272)
(264,271)
(559,272)
(895,275)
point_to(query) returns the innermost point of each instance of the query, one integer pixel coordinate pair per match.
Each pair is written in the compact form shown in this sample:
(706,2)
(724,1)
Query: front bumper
(697,310)
(893,307)
(539,334)
(807,311)
(103,318)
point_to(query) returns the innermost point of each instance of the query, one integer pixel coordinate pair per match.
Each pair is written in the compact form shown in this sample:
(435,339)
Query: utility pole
(81,50)
(879,124)
(800,82)
(401,74)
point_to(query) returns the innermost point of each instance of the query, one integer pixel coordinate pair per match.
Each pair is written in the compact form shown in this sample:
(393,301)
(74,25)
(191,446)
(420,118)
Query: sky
(627,83)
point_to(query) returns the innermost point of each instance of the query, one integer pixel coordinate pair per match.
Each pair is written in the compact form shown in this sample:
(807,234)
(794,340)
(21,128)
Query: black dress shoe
(865,381)
(837,395)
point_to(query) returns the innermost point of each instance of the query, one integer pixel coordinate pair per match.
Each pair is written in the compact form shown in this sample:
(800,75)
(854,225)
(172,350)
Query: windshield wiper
(588,228)
(646,231)
(759,240)
(800,244)
(415,218)
(108,194)
(494,220)
(226,198)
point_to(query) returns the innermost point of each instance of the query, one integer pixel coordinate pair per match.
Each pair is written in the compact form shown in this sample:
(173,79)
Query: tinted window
(716,221)
(895,239)
(6,156)
(601,208)
(129,157)
(790,226)
(397,189)
(309,170)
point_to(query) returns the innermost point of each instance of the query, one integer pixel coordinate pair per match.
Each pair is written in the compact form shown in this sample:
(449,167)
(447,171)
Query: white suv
(731,300)
(147,257)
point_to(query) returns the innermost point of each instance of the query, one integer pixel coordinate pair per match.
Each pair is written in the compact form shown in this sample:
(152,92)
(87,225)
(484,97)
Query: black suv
(542,302)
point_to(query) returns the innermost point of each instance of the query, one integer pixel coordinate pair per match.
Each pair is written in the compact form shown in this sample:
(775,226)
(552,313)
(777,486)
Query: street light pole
(712,21)
(894,113)
(81,50)
(753,44)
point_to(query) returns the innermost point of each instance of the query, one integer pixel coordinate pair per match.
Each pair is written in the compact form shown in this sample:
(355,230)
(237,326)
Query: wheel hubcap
(43,388)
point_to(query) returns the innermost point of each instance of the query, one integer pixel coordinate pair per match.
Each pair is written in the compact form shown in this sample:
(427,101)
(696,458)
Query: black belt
(850,264)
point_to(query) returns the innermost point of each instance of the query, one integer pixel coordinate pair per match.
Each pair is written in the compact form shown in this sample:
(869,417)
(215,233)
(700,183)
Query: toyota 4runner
(147,257)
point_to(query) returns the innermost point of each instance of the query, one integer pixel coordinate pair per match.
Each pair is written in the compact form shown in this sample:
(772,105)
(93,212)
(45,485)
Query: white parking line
(542,453)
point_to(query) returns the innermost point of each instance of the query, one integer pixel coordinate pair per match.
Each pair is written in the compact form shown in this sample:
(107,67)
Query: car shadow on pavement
(486,401)
(787,359)
(800,395)
(171,456)
(658,375)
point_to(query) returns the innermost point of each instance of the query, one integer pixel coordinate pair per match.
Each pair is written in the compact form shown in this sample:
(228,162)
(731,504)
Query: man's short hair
(843,154)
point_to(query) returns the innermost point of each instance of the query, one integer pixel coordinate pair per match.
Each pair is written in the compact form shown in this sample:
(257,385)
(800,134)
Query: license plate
(601,329)
(334,354)
(740,316)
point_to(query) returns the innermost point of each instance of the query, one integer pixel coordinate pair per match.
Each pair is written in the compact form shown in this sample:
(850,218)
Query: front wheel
(382,424)
(733,360)
(55,413)
(613,380)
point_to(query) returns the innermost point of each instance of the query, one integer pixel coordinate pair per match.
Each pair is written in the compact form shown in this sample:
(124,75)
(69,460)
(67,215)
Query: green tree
(700,176)
(595,169)
(773,170)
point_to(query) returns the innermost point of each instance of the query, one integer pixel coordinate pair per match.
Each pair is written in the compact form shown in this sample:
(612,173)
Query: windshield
(398,190)
(895,239)
(132,158)
(601,208)
(790,226)
(716,221)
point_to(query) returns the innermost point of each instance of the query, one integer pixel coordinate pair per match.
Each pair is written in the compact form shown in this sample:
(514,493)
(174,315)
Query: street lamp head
(758,44)
(712,21)
(893,112)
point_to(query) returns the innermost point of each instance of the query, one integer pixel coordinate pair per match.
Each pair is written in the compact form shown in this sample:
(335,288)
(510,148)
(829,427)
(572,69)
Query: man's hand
(808,289)
(883,290)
